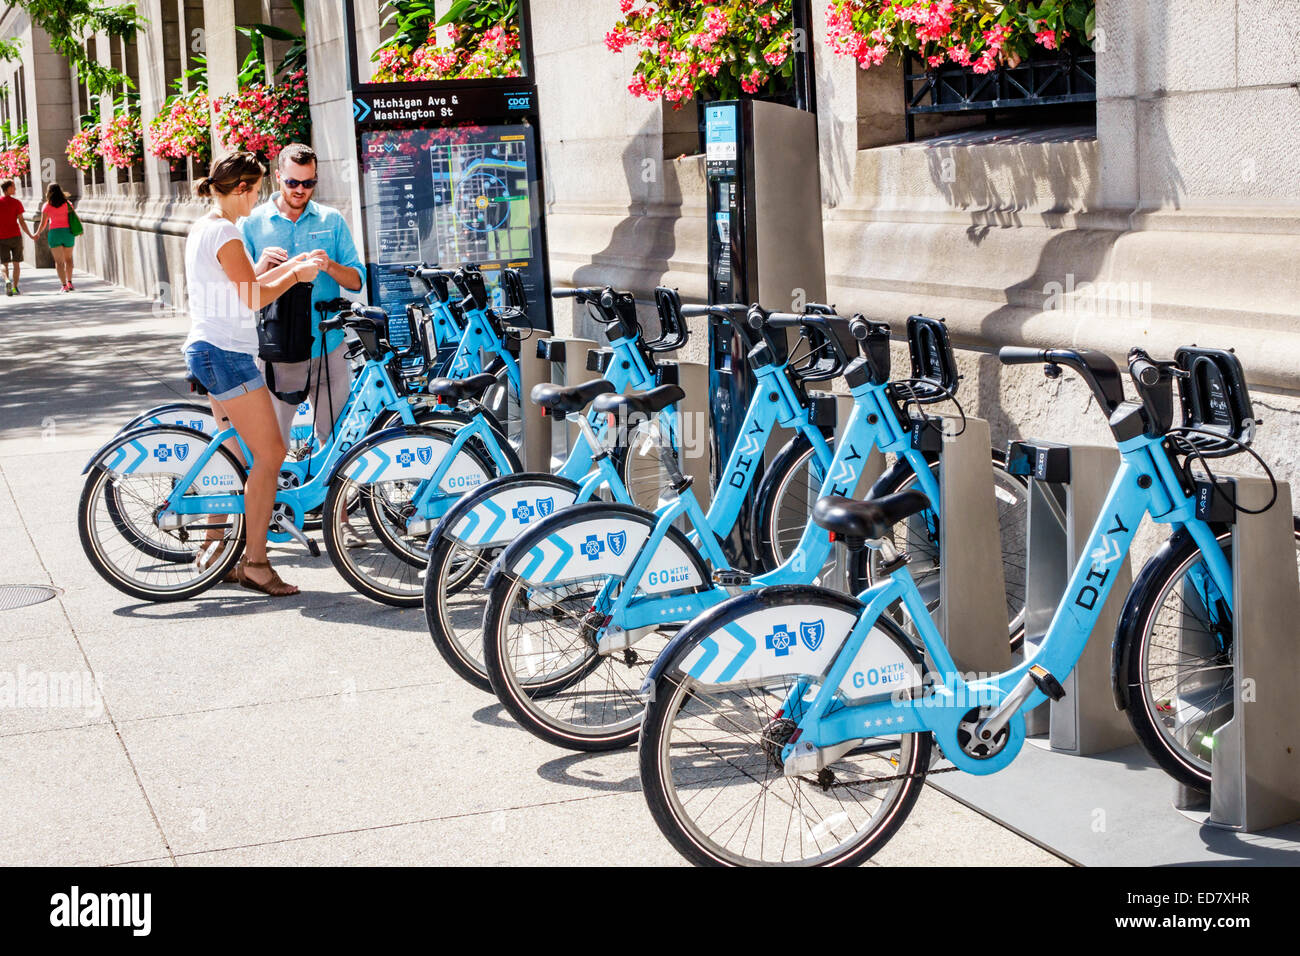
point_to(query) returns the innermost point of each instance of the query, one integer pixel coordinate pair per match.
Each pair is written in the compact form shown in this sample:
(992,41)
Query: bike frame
(372,393)
(843,469)
(941,708)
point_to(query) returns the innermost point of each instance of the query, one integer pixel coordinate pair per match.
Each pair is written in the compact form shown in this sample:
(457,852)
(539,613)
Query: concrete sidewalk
(237,729)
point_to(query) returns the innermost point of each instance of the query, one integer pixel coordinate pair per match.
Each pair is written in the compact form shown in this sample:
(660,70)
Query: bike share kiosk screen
(765,244)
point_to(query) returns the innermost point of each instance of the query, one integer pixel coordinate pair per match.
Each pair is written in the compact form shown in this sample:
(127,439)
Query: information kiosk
(451,173)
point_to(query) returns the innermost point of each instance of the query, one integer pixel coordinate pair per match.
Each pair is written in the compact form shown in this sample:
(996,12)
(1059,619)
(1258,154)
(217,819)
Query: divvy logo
(74,908)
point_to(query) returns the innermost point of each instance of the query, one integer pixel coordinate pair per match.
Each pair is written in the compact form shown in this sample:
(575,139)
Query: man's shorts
(11,250)
(62,237)
(224,374)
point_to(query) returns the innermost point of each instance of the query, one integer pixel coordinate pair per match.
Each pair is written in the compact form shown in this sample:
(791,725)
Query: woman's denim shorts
(224,374)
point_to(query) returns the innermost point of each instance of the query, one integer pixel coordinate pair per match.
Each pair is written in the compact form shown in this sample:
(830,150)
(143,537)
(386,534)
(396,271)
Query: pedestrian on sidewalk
(11,239)
(292,223)
(54,217)
(224,295)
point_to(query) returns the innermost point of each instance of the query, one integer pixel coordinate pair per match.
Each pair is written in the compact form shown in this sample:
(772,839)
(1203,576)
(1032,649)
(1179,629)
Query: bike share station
(451,173)
(1118,808)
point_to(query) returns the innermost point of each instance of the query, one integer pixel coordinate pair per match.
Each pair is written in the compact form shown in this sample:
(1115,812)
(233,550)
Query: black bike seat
(459,389)
(647,403)
(563,400)
(867,519)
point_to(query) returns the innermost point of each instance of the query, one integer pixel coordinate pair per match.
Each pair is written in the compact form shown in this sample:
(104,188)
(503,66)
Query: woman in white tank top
(224,297)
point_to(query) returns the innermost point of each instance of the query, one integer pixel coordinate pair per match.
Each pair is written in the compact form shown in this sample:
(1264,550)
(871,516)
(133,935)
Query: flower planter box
(1043,79)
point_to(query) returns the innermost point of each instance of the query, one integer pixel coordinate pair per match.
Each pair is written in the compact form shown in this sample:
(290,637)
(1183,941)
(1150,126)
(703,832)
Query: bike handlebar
(1097,369)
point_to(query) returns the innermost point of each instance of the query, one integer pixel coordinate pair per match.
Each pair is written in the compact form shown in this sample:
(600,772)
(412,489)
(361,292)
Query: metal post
(972,592)
(534,369)
(693,420)
(1256,756)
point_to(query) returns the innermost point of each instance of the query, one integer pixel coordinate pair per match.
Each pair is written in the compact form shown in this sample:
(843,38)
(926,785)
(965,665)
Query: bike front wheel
(713,780)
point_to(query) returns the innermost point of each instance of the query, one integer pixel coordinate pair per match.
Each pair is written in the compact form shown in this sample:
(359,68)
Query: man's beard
(288,201)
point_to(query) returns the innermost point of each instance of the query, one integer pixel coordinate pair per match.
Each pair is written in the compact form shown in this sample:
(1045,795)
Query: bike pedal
(1044,681)
(313,547)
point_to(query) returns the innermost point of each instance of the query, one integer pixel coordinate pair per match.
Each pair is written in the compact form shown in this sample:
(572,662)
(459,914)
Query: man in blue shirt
(287,224)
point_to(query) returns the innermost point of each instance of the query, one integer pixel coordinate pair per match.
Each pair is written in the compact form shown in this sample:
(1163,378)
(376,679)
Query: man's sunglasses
(304,183)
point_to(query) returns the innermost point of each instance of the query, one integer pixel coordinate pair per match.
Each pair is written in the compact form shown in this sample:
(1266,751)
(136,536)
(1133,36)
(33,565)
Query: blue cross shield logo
(162,453)
(196,424)
(545,506)
(425,454)
(522,512)
(812,634)
(404,458)
(780,641)
(592,547)
(182,451)
(617,541)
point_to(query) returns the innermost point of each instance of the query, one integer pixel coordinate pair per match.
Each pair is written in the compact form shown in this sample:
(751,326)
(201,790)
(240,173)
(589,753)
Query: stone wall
(1175,220)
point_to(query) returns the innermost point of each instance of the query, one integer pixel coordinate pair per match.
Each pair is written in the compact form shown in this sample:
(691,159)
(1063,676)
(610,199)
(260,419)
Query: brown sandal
(274,587)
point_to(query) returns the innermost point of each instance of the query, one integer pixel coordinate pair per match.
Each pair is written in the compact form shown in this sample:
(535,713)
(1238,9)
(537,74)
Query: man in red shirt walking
(11,240)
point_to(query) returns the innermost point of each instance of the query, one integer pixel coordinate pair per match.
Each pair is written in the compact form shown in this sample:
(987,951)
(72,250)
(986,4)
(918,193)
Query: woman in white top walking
(224,296)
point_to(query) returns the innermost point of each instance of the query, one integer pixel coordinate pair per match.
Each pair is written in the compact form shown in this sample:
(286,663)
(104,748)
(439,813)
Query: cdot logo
(519,102)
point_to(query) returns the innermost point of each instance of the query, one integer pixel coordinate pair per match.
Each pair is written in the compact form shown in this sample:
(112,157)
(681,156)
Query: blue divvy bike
(581,604)
(795,724)
(484,521)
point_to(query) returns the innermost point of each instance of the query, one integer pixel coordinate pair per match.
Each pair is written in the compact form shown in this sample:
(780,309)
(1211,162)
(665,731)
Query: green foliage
(70,22)
(10,50)
(253,69)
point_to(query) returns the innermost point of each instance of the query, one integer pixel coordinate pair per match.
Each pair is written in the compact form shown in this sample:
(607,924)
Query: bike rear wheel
(541,658)
(711,772)
(1178,662)
(388,564)
(169,570)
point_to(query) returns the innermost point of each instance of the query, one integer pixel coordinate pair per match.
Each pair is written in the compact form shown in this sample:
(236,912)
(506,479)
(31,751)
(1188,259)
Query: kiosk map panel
(450,195)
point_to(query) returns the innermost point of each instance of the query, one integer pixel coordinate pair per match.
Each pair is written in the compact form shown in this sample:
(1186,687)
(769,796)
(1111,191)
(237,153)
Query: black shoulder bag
(284,335)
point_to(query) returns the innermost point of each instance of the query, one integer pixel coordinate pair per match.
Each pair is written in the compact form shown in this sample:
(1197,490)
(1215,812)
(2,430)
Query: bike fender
(182,417)
(505,507)
(599,539)
(401,454)
(787,631)
(162,449)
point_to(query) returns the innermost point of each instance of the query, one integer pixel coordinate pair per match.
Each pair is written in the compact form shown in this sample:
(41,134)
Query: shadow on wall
(642,243)
(995,185)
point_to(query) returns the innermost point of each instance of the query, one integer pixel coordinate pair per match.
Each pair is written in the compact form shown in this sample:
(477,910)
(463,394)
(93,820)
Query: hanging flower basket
(263,119)
(708,50)
(15,163)
(181,130)
(981,35)
(83,148)
(122,144)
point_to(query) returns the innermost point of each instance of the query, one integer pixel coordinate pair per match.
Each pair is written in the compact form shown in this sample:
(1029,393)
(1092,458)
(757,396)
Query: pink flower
(1046,38)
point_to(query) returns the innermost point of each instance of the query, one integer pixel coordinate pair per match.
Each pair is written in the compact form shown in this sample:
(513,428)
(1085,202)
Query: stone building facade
(1175,219)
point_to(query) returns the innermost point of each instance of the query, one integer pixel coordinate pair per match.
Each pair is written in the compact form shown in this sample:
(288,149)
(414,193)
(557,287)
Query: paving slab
(70,799)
